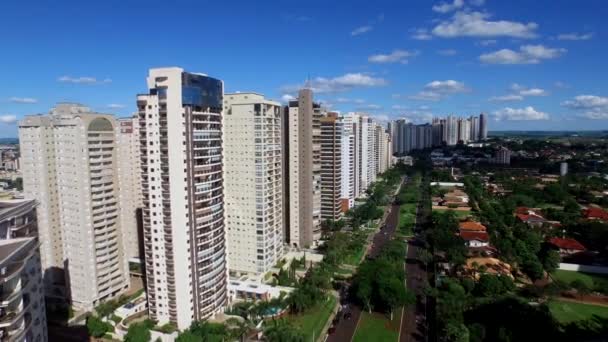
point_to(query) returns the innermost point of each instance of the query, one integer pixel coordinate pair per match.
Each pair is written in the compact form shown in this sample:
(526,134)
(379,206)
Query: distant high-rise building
(503,156)
(253,185)
(483,127)
(69,164)
(302,175)
(352,124)
(331,167)
(130,193)
(451,130)
(23,312)
(474,128)
(563,169)
(180,126)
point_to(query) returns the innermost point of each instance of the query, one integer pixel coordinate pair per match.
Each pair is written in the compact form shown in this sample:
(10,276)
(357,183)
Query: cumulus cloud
(397,56)
(527,54)
(437,90)
(575,36)
(83,80)
(520,114)
(421,34)
(447,52)
(533,92)
(370,107)
(339,84)
(348,100)
(506,98)
(8,118)
(590,106)
(446,7)
(586,102)
(286,98)
(115,106)
(477,24)
(23,100)
(361,30)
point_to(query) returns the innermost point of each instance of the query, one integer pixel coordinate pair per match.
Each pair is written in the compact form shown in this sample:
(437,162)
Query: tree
(188,336)
(550,259)
(97,327)
(139,332)
(457,332)
(281,330)
(580,287)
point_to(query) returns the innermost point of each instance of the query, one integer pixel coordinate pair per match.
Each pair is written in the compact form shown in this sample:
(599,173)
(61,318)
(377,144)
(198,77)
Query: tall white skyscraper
(69,164)
(180,126)
(348,163)
(254,189)
(302,170)
(331,167)
(129,179)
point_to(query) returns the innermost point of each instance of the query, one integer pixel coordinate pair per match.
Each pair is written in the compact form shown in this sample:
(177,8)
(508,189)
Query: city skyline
(526,70)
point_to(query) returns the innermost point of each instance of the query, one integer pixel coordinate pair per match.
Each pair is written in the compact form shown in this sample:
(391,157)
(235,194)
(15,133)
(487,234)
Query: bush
(116,318)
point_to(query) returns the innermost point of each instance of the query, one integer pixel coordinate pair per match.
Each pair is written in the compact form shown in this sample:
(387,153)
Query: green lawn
(378,327)
(567,312)
(313,321)
(354,258)
(593,281)
(460,214)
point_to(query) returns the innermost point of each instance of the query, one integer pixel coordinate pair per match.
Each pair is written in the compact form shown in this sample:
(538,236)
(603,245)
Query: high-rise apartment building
(302,170)
(350,173)
(69,166)
(331,167)
(253,188)
(483,126)
(130,194)
(22,312)
(451,130)
(180,127)
(372,156)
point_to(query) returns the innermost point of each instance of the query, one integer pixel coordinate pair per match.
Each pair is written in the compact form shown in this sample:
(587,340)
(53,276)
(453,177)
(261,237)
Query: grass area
(312,321)
(355,258)
(460,214)
(378,327)
(568,312)
(593,281)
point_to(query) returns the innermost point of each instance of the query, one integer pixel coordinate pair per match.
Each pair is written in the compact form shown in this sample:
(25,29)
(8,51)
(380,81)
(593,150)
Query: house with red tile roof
(533,217)
(593,213)
(475,239)
(472,226)
(566,246)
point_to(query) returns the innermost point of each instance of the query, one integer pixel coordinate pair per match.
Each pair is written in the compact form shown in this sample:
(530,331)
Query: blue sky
(533,65)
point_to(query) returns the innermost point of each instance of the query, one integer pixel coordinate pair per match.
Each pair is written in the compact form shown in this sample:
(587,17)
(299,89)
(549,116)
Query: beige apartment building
(302,170)
(180,128)
(130,194)
(253,188)
(22,304)
(69,162)
(331,167)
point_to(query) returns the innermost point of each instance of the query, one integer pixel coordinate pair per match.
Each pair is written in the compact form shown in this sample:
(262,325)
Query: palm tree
(281,331)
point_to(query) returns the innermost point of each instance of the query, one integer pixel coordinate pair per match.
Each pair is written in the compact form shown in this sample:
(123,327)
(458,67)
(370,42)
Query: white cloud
(520,114)
(361,30)
(348,100)
(477,2)
(115,106)
(561,85)
(488,42)
(446,7)
(421,34)
(23,100)
(286,98)
(437,90)
(533,92)
(586,102)
(82,80)
(575,36)
(447,52)
(398,107)
(506,98)
(527,54)
(370,106)
(400,56)
(341,83)
(594,107)
(8,118)
(476,24)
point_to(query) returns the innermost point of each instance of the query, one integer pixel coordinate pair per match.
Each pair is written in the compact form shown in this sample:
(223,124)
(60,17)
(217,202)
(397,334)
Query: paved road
(413,322)
(345,329)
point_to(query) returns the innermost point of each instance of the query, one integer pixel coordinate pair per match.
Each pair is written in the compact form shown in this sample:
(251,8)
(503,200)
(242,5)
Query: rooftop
(567,244)
(472,226)
(479,236)
(9,247)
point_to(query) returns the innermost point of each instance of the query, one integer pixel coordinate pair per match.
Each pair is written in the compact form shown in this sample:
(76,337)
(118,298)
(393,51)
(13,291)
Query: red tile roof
(472,226)
(480,236)
(596,213)
(567,244)
(522,210)
(526,217)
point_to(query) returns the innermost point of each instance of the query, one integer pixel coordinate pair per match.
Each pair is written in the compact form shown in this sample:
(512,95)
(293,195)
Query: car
(348,315)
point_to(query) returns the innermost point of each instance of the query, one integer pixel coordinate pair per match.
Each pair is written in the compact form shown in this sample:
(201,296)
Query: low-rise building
(566,246)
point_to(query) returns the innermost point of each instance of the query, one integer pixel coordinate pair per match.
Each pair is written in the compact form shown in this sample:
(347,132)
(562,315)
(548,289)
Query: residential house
(566,246)
(594,213)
